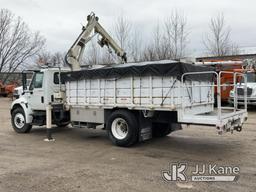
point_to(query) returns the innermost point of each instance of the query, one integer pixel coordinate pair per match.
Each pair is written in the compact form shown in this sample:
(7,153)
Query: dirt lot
(85,160)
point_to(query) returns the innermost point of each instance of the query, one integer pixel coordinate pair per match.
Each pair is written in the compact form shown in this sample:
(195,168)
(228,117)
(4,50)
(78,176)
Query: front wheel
(19,121)
(122,128)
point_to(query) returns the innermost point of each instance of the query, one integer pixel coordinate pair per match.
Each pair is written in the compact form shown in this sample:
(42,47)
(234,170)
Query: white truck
(133,101)
(242,94)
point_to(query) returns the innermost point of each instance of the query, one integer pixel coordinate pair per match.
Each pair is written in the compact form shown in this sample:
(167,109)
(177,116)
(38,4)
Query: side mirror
(24,81)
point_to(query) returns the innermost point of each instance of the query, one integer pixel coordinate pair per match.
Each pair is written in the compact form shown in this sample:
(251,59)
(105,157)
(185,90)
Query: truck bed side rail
(223,117)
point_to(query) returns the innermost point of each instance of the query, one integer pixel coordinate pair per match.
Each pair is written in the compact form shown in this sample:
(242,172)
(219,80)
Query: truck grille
(240,91)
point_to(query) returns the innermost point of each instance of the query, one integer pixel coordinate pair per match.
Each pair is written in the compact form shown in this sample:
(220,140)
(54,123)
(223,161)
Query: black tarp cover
(155,68)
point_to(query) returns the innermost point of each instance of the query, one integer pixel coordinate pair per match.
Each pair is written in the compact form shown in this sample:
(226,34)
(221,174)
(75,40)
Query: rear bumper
(233,121)
(228,121)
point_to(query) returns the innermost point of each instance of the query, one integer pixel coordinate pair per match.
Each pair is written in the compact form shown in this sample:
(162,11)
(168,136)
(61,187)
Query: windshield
(251,77)
(37,81)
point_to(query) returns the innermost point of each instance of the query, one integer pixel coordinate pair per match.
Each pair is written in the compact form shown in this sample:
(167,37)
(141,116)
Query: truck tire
(19,121)
(161,129)
(3,94)
(122,128)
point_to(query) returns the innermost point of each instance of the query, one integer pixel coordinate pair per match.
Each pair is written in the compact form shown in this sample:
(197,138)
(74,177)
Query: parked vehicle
(227,79)
(19,90)
(2,90)
(7,90)
(244,93)
(132,101)
(249,91)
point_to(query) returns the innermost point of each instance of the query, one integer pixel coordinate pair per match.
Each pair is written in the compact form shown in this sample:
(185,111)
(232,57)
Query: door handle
(42,99)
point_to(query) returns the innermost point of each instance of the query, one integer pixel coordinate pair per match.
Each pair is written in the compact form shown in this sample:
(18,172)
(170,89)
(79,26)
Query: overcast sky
(60,20)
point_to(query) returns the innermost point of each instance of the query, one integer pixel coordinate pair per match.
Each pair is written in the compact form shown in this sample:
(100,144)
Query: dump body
(169,86)
(146,86)
(139,93)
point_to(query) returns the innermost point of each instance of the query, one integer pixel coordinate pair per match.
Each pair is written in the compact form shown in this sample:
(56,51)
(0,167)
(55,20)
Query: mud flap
(145,130)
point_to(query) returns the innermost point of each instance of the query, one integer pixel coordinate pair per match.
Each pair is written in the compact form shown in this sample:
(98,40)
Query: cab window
(56,78)
(37,81)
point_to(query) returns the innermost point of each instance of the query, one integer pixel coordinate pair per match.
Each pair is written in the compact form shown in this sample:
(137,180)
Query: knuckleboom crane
(74,54)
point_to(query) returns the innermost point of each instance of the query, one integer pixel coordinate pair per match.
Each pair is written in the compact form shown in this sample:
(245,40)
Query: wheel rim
(119,128)
(19,120)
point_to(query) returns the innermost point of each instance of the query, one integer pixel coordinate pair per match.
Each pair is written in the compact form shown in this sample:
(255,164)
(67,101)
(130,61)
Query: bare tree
(107,57)
(175,36)
(46,58)
(17,44)
(149,53)
(93,57)
(169,40)
(59,59)
(235,50)
(122,31)
(135,46)
(43,58)
(161,47)
(217,41)
(156,48)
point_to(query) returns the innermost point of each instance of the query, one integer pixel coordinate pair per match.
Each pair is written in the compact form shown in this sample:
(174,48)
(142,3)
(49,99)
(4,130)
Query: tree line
(20,48)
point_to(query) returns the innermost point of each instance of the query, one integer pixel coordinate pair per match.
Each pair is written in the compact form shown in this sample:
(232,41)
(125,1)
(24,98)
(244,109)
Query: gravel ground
(85,160)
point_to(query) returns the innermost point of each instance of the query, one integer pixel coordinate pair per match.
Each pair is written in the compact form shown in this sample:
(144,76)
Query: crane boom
(74,54)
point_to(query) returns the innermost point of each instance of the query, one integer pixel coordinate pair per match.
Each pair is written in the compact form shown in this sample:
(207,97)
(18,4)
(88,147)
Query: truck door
(36,92)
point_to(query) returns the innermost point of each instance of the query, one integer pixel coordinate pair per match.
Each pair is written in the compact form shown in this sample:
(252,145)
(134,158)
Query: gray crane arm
(74,55)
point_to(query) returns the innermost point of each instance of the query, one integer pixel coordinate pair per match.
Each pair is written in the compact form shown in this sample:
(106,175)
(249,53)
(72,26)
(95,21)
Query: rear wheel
(161,129)
(19,121)
(122,128)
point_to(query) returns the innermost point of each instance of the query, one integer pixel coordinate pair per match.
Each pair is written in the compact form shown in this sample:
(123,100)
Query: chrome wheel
(19,120)
(119,128)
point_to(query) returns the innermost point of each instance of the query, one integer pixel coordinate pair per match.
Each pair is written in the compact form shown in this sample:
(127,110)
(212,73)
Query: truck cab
(44,89)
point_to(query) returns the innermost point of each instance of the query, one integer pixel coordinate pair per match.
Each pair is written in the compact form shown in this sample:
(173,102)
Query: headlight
(253,93)
(231,94)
